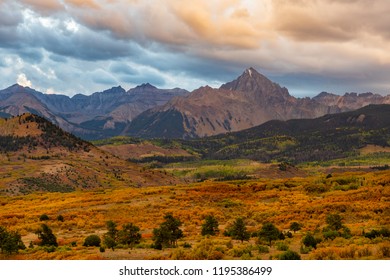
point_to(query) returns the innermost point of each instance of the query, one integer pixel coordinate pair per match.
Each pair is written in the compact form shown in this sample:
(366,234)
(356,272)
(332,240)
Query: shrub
(50,249)
(309,241)
(295,226)
(44,217)
(290,255)
(92,241)
(384,250)
(263,249)
(60,218)
(281,246)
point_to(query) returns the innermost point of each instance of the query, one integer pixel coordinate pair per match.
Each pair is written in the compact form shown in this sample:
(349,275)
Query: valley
(76,189)
(178,175)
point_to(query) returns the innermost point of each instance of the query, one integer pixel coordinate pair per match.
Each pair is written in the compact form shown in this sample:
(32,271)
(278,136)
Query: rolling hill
(36,155)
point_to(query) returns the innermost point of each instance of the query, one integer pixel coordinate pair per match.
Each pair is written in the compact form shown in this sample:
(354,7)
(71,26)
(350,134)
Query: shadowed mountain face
(248,101)
(100,115)
(325,138)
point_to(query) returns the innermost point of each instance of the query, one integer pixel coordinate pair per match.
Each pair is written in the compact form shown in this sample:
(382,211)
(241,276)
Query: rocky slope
(99,115)
(250,100)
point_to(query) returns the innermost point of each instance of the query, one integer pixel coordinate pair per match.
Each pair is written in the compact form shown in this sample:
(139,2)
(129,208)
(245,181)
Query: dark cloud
(58,58)
(307,46)
(101,77)
(30,55)
(123,68)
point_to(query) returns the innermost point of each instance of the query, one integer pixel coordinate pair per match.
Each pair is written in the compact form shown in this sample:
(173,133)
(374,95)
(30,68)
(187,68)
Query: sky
(84,46)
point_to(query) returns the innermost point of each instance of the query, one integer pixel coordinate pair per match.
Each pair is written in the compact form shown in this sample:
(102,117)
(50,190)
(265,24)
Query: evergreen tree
(210,226)
(45,234)
(238,230)
(10,241)
(309,240)
(334,221)
(295,226)
(111,229)
(129,235)
(168,233)
(109,242)
(269,233)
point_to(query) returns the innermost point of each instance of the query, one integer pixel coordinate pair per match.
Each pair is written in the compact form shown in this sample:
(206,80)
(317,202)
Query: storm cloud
(73,46)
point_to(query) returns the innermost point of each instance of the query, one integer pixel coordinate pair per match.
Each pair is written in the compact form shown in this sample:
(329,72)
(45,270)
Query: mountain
(36,155)
(148,112)
(100,115)
(328,137)
(351,101)
(248,101)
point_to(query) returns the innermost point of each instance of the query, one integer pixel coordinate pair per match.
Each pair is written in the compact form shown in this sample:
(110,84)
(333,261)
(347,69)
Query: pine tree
(210,226)
(129,235)
(168,233)
(238,230)
(269,233)
(45,234)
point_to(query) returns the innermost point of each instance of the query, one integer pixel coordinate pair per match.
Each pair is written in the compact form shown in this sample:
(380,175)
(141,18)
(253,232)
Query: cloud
(326,43)
(102,77)
(23,81)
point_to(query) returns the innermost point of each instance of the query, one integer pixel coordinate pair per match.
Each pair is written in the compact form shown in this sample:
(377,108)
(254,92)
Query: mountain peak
(146,86)
(251,71)
(251,81)
(117,89)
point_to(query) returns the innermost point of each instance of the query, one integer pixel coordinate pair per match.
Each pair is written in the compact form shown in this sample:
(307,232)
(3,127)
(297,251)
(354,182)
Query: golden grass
(280,201)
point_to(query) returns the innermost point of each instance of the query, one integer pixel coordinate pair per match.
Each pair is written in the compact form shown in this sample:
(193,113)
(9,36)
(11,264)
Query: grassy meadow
(361,199)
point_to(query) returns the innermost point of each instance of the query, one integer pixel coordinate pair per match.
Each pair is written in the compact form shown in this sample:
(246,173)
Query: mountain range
(100,115)
(148,112)
(320,139)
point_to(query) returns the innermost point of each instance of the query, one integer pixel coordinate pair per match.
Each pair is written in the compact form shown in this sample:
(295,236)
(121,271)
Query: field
(64,198)
(360,198)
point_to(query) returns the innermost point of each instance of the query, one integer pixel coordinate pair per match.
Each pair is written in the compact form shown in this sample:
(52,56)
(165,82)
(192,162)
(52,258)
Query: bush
(263,249)
(44,217)
(384,250)
(50,249)
(92,241)
(290,255)
(295,226)
(102,250)
(384,232)
(60,218)
(309,241)
(281,246)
